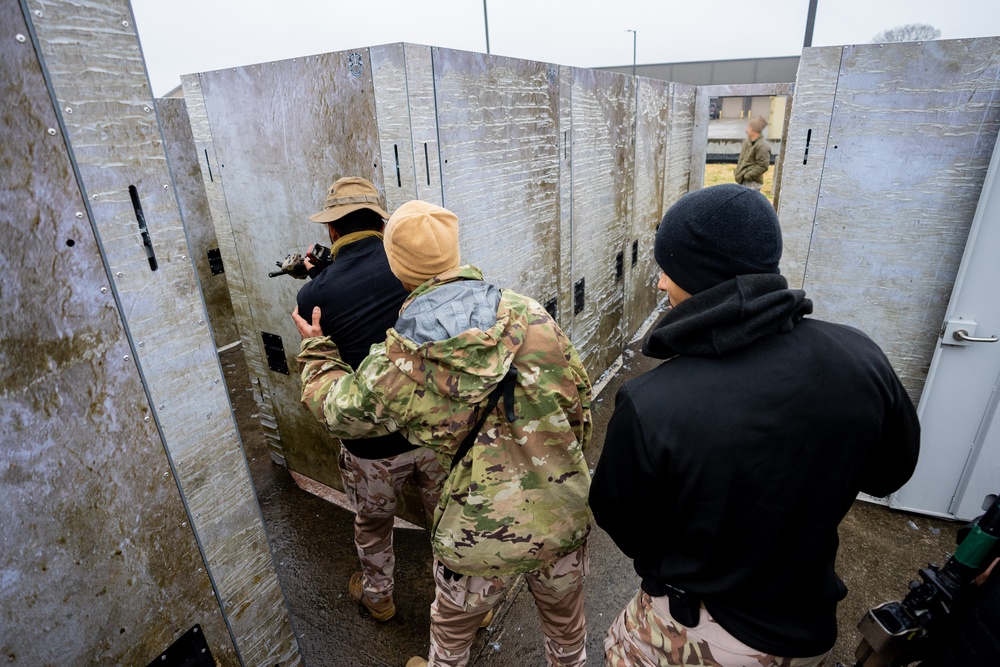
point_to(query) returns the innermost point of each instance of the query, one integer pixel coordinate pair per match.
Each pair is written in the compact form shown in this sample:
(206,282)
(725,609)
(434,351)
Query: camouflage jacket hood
(451,338)
(517,500)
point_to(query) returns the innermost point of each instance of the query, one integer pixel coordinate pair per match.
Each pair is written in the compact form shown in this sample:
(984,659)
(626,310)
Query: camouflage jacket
(518,500)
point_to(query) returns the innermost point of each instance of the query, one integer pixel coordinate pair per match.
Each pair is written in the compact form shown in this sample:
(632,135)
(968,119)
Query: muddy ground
(311,539)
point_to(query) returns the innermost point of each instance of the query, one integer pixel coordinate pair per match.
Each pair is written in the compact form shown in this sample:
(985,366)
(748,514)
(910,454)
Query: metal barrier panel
(283,131)
(652,136)
(681,121)
(805,149)
(116,414)
(399,170)
(600,141)
(498,128)
(186,170)
(423,122)
(564,300)
(913,129)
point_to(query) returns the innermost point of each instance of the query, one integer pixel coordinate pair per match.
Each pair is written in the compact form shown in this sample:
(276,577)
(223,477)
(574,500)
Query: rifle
(294,265)
(899,633)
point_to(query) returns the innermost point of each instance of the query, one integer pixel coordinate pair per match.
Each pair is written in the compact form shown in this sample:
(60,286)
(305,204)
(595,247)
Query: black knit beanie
(715,234)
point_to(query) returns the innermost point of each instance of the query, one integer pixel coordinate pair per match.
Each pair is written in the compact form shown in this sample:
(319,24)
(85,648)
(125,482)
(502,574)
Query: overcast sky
(186,36)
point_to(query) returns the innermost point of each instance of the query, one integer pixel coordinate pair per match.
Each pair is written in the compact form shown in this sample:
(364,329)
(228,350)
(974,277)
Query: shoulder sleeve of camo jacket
(352,404)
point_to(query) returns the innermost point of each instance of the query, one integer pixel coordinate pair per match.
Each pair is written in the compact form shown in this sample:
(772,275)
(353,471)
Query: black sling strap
(505,387)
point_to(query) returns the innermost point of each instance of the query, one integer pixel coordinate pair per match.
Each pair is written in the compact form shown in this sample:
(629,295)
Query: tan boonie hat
(347,195)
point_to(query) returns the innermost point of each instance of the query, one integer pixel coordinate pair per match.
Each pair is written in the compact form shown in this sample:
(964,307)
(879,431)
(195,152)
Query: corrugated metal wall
(128,510)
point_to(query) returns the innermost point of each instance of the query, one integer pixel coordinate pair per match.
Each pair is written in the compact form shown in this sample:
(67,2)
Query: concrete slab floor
(311,539)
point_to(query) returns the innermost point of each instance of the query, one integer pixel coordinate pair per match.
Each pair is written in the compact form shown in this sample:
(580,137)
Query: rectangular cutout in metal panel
(552,307)
(275,352)
(578,294)
(619,265)
(635,252)
(190,650)
(215,261)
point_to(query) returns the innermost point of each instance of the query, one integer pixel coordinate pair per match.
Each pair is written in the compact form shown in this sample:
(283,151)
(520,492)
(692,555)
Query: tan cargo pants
(372,486)
(645,635)
(460,606)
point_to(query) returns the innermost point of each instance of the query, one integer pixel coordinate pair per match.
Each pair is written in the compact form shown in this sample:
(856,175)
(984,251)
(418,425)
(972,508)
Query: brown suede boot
(416,661)
(381,609)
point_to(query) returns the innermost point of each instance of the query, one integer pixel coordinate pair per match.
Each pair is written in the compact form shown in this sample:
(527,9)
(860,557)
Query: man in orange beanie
(488,381)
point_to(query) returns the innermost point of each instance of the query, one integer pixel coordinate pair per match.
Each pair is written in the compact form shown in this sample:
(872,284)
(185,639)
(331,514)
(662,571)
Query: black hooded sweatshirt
(727,469)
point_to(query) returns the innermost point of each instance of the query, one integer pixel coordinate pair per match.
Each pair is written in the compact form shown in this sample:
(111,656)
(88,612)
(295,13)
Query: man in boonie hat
(360,298)
(487,380)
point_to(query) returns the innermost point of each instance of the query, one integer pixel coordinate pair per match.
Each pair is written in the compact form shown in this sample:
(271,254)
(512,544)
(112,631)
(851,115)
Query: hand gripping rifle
(295,265)
(895,634)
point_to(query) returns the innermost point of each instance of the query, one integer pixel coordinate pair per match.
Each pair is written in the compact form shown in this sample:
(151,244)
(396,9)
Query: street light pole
(486,21)
(634,34)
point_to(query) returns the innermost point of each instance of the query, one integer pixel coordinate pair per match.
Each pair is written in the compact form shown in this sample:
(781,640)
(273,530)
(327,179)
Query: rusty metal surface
(602,194)
(186,170)
(652,137)
(808,128)
(498,130)
(97,563)
(94,66)
(913,129)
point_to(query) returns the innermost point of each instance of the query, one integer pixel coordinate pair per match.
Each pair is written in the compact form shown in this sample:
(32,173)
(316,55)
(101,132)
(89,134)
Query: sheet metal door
(960,452)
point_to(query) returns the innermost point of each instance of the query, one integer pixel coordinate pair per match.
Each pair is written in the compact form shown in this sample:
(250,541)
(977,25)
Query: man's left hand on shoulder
(308,329)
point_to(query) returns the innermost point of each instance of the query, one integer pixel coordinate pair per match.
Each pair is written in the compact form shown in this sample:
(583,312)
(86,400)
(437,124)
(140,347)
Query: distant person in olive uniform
(755,156)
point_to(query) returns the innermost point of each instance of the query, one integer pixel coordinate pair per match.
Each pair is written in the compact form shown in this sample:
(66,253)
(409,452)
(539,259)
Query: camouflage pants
(460,606)
(645,635)
(372,486)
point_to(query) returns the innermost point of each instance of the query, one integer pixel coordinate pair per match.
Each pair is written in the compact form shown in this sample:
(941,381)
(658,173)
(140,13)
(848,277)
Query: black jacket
(359,299)
(727,469)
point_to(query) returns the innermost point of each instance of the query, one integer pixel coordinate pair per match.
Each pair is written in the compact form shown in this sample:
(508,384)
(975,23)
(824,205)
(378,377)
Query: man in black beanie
(727,469)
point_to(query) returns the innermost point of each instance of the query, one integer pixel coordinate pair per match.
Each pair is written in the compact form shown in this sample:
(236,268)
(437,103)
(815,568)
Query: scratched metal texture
(498,129)
(211,177)
(423,122)
(802,171)
(602,112)
(681,121)
(652,138)
(564,300)
(185,167)
(98,565)
(393,121)
(283,132)
(94,66)
(913,129)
